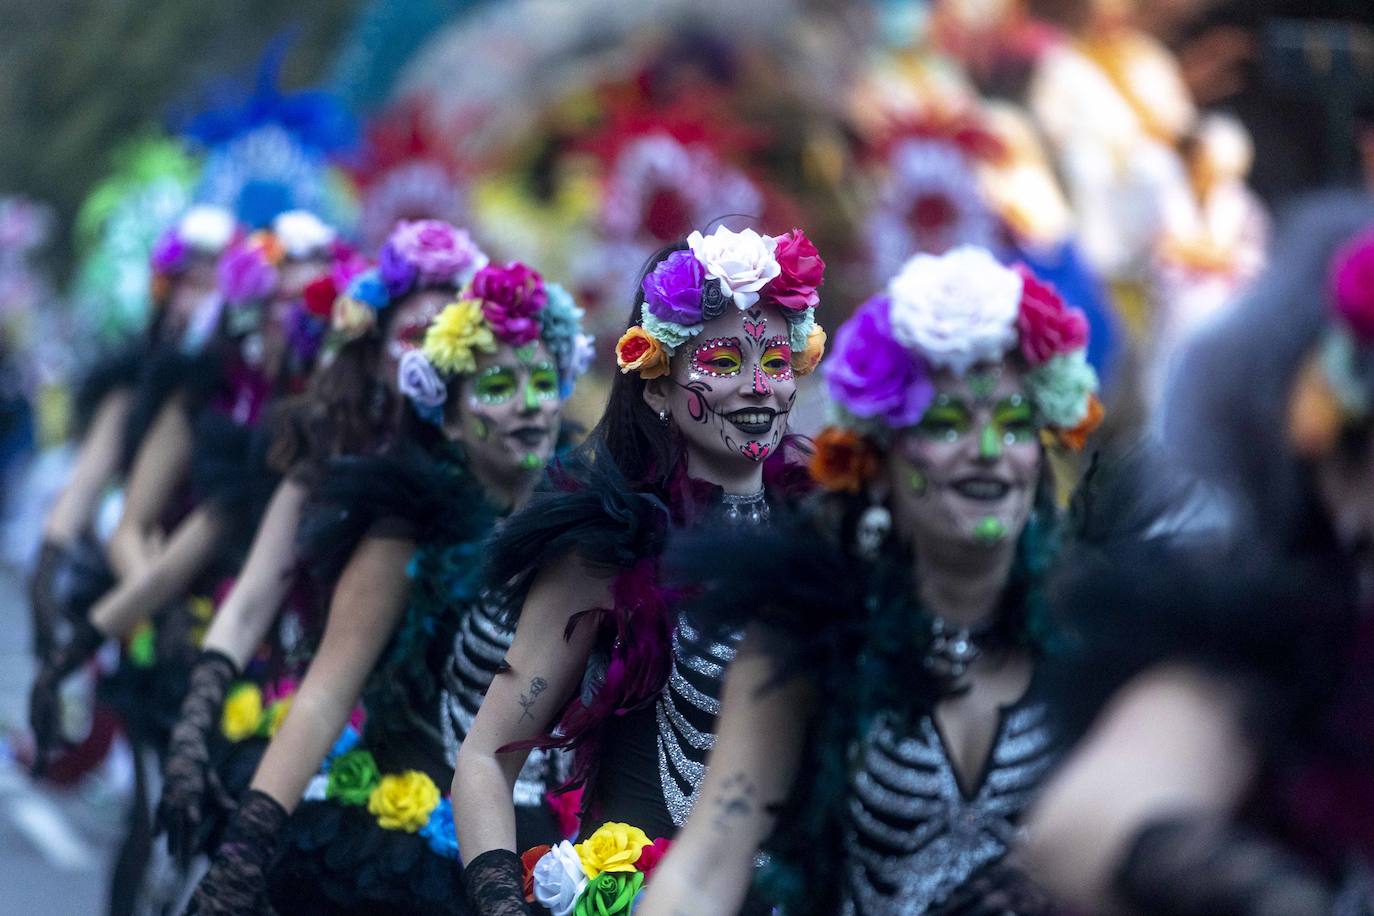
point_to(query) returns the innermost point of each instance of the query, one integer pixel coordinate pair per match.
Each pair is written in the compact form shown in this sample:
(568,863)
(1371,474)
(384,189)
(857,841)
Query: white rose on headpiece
(743,262)
(957,309)
(302,233)
(558,879)
(206,228)
(417,380)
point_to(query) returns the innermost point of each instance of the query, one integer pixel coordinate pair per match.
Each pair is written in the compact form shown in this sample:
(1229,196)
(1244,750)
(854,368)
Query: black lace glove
(236,884)
(495,884)
(43,603)
(45,704)
(996,890)
(190,786)
(1192,866)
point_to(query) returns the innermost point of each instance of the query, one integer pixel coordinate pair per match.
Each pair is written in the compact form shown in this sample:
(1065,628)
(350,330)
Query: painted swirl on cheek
(696,399)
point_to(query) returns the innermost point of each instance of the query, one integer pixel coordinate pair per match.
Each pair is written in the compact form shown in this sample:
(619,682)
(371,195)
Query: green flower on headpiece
(1060,388)
(668,334)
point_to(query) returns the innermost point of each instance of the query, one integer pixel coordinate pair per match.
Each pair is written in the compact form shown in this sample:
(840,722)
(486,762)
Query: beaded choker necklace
(751,509)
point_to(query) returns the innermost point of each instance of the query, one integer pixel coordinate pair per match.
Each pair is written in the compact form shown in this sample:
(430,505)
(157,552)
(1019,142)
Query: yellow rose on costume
(452,341)
(276,715)
(352,318)
(614,847)
(242,712)
(638,351)
(805,362)
(404,802)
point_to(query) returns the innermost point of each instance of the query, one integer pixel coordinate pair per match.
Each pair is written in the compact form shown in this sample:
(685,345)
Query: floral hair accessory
(690,287)
(302,234)
(428,253)
(202,230)
(843,460)
(512,298)
(247,272)
(1336,385)
(456,336)
(600,877)
(952,312)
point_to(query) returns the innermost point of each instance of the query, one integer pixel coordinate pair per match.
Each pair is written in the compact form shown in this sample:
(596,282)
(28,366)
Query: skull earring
(874,526)
(663,416)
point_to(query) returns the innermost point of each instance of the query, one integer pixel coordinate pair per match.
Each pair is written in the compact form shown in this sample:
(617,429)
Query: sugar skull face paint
(967,472)
(507,413)
(732,386)
(406,329)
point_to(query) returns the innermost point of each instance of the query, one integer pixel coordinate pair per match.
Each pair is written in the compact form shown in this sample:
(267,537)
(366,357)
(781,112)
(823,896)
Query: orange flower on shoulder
(1314,413)
(843,460)
(1075,439)
(638,351)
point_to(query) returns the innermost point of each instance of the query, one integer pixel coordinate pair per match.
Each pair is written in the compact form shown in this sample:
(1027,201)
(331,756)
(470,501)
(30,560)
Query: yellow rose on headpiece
(404,802)
(352,318)
(805,362)
(613,847)
(455,337)
(638,351)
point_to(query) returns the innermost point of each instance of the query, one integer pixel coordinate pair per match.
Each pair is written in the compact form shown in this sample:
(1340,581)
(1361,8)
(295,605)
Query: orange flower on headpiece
(1075,439)
(843,460)
(638,351)
(1314,412)
(805,362)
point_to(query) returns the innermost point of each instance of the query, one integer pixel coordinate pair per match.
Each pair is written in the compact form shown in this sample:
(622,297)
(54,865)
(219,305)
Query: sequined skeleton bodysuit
(912,834)
(479,649)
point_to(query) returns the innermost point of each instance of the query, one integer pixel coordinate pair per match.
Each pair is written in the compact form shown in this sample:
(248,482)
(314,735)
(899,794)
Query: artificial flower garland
(688,288)
(202,231)
(1334,387)
(601,876)
(953,312)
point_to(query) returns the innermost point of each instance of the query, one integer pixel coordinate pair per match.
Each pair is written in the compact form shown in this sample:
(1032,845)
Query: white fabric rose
(559,879)
(417,380)
(743,262)
(302,233)
(957,309)
(206,228)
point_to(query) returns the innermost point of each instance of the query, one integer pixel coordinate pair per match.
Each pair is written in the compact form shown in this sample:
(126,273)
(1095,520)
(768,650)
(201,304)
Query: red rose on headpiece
(1046,326)
(802,271)
(1352,286)
(320,295)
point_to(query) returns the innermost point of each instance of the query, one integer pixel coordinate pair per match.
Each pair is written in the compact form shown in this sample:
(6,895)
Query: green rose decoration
(610,893)
(1060,388)
(352,778)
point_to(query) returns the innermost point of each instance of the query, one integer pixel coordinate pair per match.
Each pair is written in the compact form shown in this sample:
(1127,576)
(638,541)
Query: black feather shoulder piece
(168,371)
(118,369)
(229,470)
(424,493)
(584,504)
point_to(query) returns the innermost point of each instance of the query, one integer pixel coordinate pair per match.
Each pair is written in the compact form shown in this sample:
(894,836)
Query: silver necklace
(952,648)
(751,509)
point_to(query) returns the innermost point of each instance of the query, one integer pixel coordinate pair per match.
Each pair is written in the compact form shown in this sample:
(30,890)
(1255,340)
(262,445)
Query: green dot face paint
(480,429)
(530,462)
(990,530)
(918,483)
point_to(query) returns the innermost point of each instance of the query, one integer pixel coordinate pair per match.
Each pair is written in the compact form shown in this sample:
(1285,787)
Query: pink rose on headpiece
(169,252)
(512,298)
(245,274)
(439,252)
(802,270)
(1352,286)
(1046,326)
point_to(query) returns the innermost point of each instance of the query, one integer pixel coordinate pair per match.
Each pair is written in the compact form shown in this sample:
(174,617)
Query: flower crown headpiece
(1336,386)
(248,272)
(203,230)
(419,254)
(508,304)
(953,311)
(689,288)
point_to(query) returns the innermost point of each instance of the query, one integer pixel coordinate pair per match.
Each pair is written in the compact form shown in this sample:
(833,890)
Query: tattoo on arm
(537,686)
(736,800)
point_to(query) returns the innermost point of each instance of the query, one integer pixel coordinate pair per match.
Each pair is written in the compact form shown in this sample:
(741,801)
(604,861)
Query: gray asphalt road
(55,845)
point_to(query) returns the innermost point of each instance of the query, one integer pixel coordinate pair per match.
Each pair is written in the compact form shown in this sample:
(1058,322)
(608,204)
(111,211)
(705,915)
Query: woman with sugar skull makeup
(881,729)
(342,821)
(694,436)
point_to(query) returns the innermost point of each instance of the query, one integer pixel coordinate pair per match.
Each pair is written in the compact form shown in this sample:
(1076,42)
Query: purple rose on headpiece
(245,274)
(512,298)
(1352,284)
(304,334)
(169,252)
(673,290)
(439,252)
(417,380)
(397,273)
(872,375)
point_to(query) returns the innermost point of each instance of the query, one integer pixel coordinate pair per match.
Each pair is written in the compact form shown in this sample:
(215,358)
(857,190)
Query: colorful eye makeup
(499,384)
(950,419)
(543,383)
(720,357)
(776,362)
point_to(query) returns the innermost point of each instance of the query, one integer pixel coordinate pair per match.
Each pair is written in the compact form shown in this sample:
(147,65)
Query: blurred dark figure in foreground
(1227,620)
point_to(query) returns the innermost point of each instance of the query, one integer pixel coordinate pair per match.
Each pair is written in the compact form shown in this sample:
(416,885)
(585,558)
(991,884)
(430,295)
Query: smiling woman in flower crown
(880,730)
(360,823)
(694,436)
